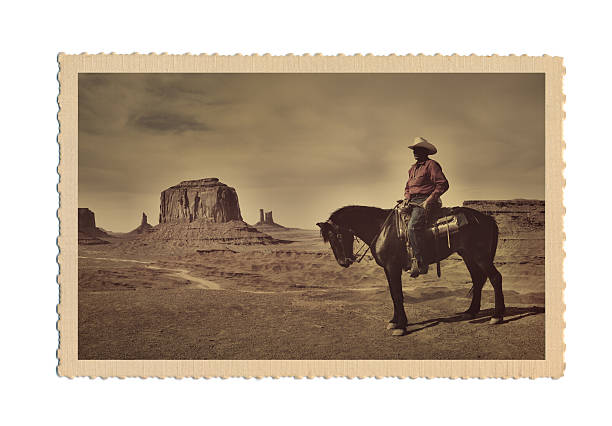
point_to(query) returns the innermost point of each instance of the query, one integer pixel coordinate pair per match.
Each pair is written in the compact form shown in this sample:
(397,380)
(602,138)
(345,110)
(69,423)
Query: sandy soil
(291,301)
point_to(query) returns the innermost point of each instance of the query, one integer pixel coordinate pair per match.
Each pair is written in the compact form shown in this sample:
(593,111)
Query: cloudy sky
(302,145)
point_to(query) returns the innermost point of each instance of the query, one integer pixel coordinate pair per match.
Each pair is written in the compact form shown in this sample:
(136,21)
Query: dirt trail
(184,274)
(178,273)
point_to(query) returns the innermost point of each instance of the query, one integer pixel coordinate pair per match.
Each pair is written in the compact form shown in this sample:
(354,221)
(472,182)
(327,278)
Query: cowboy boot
(418,268)
(423,269)
(407,257)
(415,268)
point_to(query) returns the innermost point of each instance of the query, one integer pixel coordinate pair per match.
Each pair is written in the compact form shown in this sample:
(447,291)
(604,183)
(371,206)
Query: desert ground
(142,299)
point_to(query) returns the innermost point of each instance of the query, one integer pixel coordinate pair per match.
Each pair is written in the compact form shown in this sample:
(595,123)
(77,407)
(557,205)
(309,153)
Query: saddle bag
(446,227)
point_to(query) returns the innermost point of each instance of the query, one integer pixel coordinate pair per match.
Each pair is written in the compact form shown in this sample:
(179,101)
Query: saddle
(444,224)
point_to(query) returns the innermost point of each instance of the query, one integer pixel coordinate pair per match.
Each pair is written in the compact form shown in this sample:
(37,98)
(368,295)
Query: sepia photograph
(316,213)
(311,216)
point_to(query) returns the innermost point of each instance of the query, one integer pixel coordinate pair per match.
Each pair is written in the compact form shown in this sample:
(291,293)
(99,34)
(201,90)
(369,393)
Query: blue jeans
(416,225)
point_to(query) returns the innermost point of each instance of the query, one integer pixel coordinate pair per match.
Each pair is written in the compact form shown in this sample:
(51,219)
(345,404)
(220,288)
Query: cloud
(184,89)
(304,143)
(167,122)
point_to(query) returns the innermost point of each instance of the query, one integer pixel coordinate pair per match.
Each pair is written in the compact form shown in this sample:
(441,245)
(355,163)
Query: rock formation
(200,213)
(144,226)
(266,220)
(88,232)
(206,199)
(87,220)
(513,216)
(521,226)
(201,233)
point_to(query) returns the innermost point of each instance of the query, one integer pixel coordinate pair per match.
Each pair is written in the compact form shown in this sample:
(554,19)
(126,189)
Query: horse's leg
(478,280)
(500,306)
(496,280)
(399,320)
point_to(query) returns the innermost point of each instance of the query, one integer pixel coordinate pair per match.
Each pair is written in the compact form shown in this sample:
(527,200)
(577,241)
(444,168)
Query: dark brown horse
(476,243)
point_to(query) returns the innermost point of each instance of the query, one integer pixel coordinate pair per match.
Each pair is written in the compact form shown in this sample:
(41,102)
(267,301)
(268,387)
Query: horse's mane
(351,215)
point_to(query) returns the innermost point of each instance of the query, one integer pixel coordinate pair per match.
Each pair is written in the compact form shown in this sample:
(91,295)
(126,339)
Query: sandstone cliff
(206,199)
(513,216)
(521,226)
(87,219)
(88,232)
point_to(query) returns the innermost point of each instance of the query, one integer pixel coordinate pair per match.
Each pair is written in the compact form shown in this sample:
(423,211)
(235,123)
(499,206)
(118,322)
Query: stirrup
(418,269)
(407,263)
(415,268)
(424,270)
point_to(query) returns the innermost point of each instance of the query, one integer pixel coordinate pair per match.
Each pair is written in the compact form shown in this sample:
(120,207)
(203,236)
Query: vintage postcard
(311,216)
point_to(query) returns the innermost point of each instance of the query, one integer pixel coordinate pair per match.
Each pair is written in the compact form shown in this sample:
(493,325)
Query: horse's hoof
(496,321)
(398,332)
(391,326)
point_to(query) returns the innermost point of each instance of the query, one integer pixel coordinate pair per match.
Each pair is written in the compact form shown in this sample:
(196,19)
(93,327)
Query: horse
(476,243)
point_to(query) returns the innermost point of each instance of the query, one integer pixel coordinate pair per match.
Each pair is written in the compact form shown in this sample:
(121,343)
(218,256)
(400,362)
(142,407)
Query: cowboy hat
(420,142)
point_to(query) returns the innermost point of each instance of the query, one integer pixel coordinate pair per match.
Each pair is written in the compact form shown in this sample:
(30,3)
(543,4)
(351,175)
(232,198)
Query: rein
(339,236)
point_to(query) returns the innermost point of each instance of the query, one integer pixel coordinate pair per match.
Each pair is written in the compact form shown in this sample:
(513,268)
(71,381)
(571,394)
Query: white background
(32,35)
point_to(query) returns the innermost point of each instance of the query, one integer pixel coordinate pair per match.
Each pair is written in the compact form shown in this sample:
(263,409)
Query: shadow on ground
(512,314)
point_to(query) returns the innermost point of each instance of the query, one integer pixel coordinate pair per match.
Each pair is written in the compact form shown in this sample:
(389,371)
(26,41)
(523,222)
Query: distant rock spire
(268,220)
(144,226)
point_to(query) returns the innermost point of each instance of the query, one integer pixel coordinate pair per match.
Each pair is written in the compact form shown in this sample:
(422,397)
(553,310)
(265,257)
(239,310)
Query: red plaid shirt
(425,178)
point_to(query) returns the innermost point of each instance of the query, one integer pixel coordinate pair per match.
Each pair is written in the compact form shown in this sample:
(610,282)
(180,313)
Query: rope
(362,246)
(377,234)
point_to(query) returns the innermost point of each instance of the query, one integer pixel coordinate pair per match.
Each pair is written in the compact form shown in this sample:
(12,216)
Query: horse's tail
(490,224)
(494,238)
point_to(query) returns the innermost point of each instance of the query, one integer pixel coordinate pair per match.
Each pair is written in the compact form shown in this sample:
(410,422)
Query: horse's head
(341,241)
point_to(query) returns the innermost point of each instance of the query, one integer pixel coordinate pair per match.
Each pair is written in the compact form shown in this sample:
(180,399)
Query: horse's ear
(320,224)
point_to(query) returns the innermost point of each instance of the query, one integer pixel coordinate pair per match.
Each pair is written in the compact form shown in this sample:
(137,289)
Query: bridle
(338,231)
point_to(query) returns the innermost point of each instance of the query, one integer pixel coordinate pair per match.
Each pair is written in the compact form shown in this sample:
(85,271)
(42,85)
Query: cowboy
(426,183)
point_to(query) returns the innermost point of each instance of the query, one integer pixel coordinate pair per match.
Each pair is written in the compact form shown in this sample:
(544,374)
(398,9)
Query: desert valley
(204,284)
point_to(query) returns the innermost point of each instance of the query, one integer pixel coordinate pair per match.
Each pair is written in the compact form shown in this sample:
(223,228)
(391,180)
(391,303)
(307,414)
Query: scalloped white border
(71,65)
